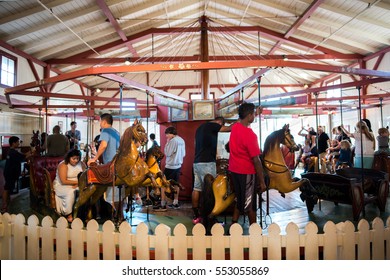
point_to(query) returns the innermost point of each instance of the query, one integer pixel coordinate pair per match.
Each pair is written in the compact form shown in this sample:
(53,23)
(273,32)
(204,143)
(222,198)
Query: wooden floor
(281,211)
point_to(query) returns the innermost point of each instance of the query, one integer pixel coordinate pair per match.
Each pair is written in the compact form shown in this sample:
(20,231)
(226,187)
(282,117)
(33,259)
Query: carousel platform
(281,211)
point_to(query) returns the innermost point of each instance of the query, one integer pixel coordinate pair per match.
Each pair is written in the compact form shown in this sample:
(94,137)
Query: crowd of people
(341,151)
(245,165)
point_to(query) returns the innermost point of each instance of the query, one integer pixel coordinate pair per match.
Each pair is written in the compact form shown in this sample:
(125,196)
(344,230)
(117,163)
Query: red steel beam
(142,86)
(196,58)
(106,10)
(198,66)
(324,88)
(306,14)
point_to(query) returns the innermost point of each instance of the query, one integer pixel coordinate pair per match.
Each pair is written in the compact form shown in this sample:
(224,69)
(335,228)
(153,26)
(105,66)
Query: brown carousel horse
(36,143)
(127,168)
(277,175)
(152,158)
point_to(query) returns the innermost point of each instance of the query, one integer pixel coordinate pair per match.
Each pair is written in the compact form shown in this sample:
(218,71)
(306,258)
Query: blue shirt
(112,138)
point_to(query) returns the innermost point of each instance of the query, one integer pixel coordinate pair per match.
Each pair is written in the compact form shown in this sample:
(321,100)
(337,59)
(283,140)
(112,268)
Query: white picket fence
(48,241)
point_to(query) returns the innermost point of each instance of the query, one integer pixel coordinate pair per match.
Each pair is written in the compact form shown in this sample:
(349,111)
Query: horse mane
(126,139)
(277,135)
(149,152)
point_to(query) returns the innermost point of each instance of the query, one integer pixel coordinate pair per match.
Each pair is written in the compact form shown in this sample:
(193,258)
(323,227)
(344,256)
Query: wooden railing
(21,240)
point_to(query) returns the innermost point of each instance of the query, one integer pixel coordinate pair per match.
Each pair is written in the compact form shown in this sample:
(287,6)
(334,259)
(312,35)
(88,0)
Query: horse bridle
(288,140)
(277,164)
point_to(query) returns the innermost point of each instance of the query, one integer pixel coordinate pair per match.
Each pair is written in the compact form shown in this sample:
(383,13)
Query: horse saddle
(101,173)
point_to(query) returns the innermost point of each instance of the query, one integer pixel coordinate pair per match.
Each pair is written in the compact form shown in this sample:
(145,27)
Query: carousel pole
(74,114)
(361,140)
(147,131)
(86,149)
(318,161)
(120,205)
(341,107)
(381,101)
(46,116)
(147,113)
(120,107)
(40,119)
(267,190)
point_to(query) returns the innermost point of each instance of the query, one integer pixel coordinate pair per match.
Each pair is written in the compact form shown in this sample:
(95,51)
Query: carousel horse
(36,143)
(152,158)
(277,175)
(127,168)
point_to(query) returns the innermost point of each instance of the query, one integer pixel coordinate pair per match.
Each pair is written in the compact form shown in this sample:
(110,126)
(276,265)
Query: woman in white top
(66,183)
(367,144)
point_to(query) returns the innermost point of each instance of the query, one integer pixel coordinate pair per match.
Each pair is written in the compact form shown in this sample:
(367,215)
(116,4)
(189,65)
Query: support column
(204,57)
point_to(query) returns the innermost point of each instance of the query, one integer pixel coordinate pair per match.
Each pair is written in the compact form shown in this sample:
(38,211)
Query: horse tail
(208,201)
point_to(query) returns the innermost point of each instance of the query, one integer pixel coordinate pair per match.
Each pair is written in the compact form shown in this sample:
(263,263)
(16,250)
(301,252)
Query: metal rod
(341,107)
(86,148)
(147,112)
(120,106)
(260,196)
(46,117)
(317,123)
(381,101)
(361,141)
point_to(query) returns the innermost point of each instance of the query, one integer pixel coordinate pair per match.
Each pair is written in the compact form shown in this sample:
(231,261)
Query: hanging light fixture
(127,61)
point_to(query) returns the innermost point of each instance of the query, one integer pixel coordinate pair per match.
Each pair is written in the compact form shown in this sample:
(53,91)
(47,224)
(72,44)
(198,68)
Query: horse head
(139,133)
(35,139)
(288,140)
(155,152)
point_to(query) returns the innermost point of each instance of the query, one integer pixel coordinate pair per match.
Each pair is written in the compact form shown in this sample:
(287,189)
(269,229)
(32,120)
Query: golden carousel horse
(219,193)
(127,168)
(153,156)
(278,175)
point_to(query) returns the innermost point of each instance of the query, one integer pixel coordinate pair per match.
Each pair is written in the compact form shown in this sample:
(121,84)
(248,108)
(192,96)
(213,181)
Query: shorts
(245,190)
(200,170)
(172,174)
(10,184)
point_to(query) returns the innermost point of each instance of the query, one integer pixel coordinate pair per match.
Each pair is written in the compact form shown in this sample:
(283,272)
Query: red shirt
(243,146)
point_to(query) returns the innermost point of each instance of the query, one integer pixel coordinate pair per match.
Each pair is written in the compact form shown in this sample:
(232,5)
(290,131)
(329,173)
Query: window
(128,106)
(8,70)
(198,96)
(334,92)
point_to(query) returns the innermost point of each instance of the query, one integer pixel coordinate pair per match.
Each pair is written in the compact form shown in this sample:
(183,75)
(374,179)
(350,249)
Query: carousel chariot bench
(42,174)
(376,183)
(338,189)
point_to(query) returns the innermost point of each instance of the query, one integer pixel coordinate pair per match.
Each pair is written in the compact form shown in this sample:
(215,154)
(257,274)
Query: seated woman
(66,183)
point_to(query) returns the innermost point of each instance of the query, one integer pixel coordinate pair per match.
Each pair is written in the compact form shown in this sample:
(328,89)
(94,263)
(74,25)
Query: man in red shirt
(244,163)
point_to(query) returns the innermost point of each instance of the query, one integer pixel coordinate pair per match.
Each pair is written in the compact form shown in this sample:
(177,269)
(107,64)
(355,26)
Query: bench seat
(337,189)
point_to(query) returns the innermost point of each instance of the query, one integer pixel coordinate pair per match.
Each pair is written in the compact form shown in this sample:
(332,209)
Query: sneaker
(196,220)
(174,206)
(160,208)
